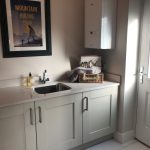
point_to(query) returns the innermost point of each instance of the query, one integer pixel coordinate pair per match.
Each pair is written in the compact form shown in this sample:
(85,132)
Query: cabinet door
(99,115)
(59,123)
(17,127)
(92,23)
(100,22)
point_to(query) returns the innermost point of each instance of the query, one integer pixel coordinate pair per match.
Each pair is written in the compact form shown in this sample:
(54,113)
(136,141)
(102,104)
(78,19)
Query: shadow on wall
(74,62)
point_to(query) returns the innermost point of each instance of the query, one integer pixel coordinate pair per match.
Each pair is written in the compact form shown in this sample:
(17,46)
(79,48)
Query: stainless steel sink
(51,88)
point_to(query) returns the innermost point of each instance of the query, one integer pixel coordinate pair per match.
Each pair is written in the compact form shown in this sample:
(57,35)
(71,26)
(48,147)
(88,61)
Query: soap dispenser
(30,80)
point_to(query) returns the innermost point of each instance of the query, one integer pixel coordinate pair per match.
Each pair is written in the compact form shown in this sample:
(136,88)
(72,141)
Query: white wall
(67,19)
(130,97)
(67,42)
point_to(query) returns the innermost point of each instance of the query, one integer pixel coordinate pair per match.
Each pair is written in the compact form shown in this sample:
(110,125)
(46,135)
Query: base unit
(60,123)
(17,127)
(99,118)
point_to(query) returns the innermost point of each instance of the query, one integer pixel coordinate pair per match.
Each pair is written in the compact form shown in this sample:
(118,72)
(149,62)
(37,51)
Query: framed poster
(25,27)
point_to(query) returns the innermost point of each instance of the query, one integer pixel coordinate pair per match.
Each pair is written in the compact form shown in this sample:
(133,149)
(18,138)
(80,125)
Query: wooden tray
(91,78)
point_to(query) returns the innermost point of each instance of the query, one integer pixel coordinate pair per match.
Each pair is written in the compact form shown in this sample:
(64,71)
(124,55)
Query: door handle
(141,74)
(40,114)
(85,107)
(31,117)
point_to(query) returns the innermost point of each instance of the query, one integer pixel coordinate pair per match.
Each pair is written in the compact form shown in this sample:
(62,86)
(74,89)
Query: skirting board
(124,137)
(98,141)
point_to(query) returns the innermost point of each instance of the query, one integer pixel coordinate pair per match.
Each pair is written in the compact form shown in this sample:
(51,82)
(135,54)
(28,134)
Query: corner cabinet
(100,24)
(99,113)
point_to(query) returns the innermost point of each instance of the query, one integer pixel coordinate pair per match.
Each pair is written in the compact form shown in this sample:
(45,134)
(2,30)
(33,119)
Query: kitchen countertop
(19,94)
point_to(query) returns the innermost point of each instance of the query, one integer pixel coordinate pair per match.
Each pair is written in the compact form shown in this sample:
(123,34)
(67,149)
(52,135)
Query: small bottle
(29,80)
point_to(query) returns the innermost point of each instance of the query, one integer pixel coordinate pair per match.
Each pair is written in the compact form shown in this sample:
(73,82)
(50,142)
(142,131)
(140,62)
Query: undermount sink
(51,88)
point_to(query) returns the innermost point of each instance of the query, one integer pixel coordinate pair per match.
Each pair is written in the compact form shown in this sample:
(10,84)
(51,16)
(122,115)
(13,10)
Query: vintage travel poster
(26,28)
(26,23)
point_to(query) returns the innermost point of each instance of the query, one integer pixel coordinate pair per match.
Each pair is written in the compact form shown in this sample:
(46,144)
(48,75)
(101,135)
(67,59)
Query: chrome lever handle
(141,75)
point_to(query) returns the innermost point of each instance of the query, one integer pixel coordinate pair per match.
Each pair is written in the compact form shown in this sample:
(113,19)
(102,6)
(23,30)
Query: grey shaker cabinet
(59,123)
(99,113)
(17,127)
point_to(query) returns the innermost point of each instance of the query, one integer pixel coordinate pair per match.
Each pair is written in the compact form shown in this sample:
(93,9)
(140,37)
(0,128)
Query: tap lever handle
(43,79)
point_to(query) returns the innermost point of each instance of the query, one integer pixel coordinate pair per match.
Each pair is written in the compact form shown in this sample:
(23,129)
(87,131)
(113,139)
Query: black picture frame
(7,52)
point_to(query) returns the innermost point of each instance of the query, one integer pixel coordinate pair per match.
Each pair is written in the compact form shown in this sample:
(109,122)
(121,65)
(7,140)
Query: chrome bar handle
(85,99)
(40,114)
(31,117)
(87,103)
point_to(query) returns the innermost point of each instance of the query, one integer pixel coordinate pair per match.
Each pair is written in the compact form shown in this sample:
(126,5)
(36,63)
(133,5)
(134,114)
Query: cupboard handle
(31,116)
(87,103)
(85,99)
(40,114)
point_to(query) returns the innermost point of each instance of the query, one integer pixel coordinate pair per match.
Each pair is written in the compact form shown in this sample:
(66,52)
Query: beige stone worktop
(18,94)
